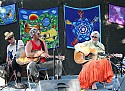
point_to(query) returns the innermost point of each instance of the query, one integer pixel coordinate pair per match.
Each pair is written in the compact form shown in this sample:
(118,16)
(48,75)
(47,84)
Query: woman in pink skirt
(95,67)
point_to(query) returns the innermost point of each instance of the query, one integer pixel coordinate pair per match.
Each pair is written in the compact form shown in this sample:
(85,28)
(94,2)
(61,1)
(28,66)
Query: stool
(46,73)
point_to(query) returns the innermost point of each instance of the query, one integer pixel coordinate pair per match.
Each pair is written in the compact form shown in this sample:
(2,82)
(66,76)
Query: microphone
(100,53)
(96,45)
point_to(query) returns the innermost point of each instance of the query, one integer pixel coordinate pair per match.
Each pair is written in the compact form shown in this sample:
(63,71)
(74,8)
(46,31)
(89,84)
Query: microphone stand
(54,49)
(116,81)
(111,61)
(120,64)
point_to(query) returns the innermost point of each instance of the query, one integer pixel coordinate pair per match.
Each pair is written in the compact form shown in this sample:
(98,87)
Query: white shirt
(12,48)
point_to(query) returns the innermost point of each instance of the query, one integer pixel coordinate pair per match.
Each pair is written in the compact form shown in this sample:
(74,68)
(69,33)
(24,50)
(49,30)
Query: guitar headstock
(117,55)
(61,57)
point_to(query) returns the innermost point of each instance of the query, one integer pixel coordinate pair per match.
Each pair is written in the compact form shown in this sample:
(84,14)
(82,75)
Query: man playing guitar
(41,54)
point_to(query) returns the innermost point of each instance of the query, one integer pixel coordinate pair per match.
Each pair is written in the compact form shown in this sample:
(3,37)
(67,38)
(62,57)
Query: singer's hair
(95,33)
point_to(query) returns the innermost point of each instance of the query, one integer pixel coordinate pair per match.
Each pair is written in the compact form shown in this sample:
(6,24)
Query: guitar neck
(58,57)
(51,56)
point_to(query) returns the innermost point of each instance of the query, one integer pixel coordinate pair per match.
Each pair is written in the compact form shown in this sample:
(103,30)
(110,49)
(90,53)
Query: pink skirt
(95,71)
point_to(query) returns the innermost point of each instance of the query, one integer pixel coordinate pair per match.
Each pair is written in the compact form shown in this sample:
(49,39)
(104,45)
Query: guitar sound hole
(89,56)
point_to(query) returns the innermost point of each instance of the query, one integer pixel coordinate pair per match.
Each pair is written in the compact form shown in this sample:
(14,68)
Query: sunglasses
(94,37)
(38,33)
(10,38)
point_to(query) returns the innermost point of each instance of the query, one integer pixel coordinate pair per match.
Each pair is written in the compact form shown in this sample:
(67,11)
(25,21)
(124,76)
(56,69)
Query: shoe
(94,87)
(19,86)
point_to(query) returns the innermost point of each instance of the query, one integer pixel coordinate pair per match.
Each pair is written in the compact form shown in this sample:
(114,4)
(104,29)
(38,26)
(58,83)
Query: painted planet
(33,17)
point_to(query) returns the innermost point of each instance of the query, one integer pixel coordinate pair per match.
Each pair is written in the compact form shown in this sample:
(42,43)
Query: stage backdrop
(45,20)
(116,14)
(7,14)
(80,22)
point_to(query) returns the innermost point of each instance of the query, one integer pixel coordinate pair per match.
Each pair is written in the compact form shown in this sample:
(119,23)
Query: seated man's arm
(30,53)
(28,50)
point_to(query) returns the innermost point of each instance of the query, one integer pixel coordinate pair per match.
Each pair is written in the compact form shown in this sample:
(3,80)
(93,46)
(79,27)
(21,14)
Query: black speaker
(59,85)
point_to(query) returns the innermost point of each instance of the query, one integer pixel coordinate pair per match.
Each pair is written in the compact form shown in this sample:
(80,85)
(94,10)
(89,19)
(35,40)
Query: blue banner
(7,14)
(80,22)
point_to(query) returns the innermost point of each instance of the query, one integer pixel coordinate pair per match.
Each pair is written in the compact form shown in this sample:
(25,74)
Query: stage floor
(10,87)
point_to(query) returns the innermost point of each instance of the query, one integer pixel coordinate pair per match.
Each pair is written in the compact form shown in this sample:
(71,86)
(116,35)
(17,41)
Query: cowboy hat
(8,35)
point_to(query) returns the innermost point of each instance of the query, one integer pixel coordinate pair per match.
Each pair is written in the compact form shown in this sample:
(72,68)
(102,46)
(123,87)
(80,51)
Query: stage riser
(59,85)
(119,84)
(122,83)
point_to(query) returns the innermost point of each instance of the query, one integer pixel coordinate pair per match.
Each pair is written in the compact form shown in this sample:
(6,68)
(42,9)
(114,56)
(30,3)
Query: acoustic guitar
(21,58)
(80,58)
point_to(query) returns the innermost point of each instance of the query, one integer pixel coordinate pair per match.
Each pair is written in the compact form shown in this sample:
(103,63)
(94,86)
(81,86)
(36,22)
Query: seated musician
(12,48)
(39,59)
(97,68)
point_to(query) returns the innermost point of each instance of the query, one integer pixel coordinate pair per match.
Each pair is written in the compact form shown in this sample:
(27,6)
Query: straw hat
(8,35)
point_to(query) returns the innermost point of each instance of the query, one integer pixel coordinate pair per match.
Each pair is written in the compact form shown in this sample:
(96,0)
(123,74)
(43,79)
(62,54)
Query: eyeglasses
(10,38)
(94,37)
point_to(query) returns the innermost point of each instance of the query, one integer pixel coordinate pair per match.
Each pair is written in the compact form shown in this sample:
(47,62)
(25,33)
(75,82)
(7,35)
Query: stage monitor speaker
(59,85)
